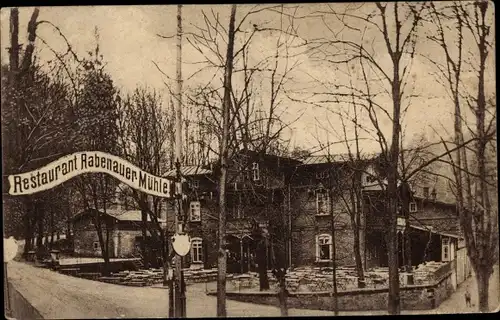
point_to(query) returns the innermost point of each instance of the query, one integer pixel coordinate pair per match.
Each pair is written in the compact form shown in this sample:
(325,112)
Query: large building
(298,201)
(287,208)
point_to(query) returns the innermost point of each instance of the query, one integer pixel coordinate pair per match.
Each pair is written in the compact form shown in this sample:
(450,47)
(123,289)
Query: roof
(340,157)
(126,215)
(433,230)
(188,171)
(270,157)
(121,215)
(439,202)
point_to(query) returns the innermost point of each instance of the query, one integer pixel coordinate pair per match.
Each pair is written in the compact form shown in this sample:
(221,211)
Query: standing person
(467,297)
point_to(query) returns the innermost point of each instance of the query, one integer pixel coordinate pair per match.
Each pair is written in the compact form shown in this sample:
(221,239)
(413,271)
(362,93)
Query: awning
(432,230)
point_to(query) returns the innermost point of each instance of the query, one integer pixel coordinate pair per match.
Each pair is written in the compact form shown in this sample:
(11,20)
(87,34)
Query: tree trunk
(282,294)
(14,45)
(358,260)
(51,243)
(356,213)
(144,243)
(482,279)
(28,226)
(394,306)
(102,242)
(392,257)
(30,48)
(105,253)
(222,259)
(334,261)
(165,255)
(408,248)
(40,217)
(261,256)
(68,230)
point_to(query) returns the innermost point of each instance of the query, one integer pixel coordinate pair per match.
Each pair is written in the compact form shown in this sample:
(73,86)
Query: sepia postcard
(249,160)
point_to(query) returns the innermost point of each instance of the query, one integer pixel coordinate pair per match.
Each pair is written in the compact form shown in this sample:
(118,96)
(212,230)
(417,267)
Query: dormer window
(322,175)
(369,178)
(255,172)
(195,211)
(426,192)
(413,207)
(194,184)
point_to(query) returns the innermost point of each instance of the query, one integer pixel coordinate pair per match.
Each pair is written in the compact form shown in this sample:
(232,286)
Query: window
(426,192)
(445,242)
(413,207)
(239,207)
(96,245)
(322,202)
(255,171)
(369,178)
(235,206)
(372,253)
(194,184)
(196,250)
(445,253)
(195,211)
(322,175)
(323,247)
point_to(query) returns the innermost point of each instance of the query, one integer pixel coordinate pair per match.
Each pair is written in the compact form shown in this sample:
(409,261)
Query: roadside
(56,295)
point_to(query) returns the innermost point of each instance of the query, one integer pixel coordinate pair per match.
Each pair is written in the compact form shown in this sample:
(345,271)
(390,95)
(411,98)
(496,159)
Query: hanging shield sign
(10,249)
(181,244)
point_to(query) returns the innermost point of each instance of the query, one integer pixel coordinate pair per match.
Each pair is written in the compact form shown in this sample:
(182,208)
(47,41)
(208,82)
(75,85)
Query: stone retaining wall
(19,307)
(415,297)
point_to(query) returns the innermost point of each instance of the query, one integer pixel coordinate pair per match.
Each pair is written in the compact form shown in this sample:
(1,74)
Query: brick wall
(85,236)
(84,243)
(306,225)
(441,217)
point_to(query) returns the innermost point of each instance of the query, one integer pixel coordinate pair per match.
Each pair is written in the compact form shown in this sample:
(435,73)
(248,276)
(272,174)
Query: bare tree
(145,128)
(253,125)
(473,185)
(226,107)
(396,24)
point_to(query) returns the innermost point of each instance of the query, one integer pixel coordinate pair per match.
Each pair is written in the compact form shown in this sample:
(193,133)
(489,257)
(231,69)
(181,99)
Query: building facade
(121,227)
(287,208)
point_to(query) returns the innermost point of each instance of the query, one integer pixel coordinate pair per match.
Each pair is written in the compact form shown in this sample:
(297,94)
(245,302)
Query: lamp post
(179,298)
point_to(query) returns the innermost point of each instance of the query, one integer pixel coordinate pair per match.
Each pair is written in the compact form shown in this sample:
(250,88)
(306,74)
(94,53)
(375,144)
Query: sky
(129,42)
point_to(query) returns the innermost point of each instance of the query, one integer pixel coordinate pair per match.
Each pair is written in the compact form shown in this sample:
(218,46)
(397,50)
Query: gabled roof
(188,171)
(126,215)
(121,215)
(269,156)
(334,158)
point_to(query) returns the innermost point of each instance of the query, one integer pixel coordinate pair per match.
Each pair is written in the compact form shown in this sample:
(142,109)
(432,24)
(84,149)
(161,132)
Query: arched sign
(78,163)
